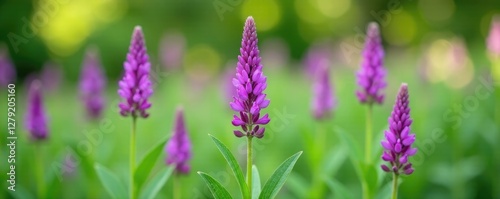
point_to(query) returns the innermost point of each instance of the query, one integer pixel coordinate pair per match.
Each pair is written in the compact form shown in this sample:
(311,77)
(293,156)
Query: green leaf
(335,159)
(385,191)
(276,181)
(87,162)
(339,190)
(155,185)
(147,163)
(21,193)
(235,167)
(297,185)
(354,150)
(255,182)
(371,177)
(110,182)
(218,191)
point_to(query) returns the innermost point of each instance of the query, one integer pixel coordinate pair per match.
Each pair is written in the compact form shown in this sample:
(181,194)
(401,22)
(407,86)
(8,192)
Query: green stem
(369,135)
(249,166)
(395,186)
(177,188)
(132,158)
(39,170)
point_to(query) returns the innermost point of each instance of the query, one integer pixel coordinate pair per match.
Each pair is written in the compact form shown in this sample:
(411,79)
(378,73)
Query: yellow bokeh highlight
(401,29)
(202,62)
(333,8)
(448,61)
(65,24)
(267,13)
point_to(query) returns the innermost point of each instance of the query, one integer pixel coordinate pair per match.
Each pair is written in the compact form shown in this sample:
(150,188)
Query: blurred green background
(437,47)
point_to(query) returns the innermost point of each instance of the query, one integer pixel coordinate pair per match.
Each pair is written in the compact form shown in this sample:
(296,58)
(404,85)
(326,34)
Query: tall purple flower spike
(51,76)
(92,84)
(323,100)
(36,118)
(493,40)
(398,139)
(135,86)
(7,70)
(179,146)
(250,83)
(371,75)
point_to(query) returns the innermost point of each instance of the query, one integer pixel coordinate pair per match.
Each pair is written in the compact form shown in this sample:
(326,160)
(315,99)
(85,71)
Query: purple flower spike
(92,84)
(179,146)
(36,118)
(250,84)
(398,139)
(135,87)
(7,70)
(371,75)
(493,41)
(323,99)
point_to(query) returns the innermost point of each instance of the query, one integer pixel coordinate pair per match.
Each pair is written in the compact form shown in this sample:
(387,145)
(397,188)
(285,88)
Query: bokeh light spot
(333,8)
(266,13)
(401,30)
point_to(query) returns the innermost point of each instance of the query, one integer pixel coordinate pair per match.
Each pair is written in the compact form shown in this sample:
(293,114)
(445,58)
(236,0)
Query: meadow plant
(36,125)
(398,139)
(178,151)
(7,70)
(92,84)
(250,99)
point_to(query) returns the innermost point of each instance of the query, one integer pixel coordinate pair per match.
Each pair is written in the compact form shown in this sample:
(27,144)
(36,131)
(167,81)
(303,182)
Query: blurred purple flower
(36,118)
(318,56)
(7,70)
(371,75)
(323,99)
(227,81)
(493,40)
(178,147)
(275,53)
(92,84)
(51,76)
(135,88)
(172,50)
(250,83)
(398,139)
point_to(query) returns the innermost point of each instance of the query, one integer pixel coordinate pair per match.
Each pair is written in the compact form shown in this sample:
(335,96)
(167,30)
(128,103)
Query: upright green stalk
(132,159)
(249,165)
(368,147)
(39,170)
(177,187)
(394,186)
(495,70)
(369,135)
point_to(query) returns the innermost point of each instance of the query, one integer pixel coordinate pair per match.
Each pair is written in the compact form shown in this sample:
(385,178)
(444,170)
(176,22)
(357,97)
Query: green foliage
(110,182)
(218,191)
(235,167)
(147,163)
(276,181)
(156,183)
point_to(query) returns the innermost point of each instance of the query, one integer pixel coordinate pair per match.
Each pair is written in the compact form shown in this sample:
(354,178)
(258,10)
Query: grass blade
(218,191)
(147,163)
(255,182)
(110,182)
(235,167)
(155,185)
(276,181)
